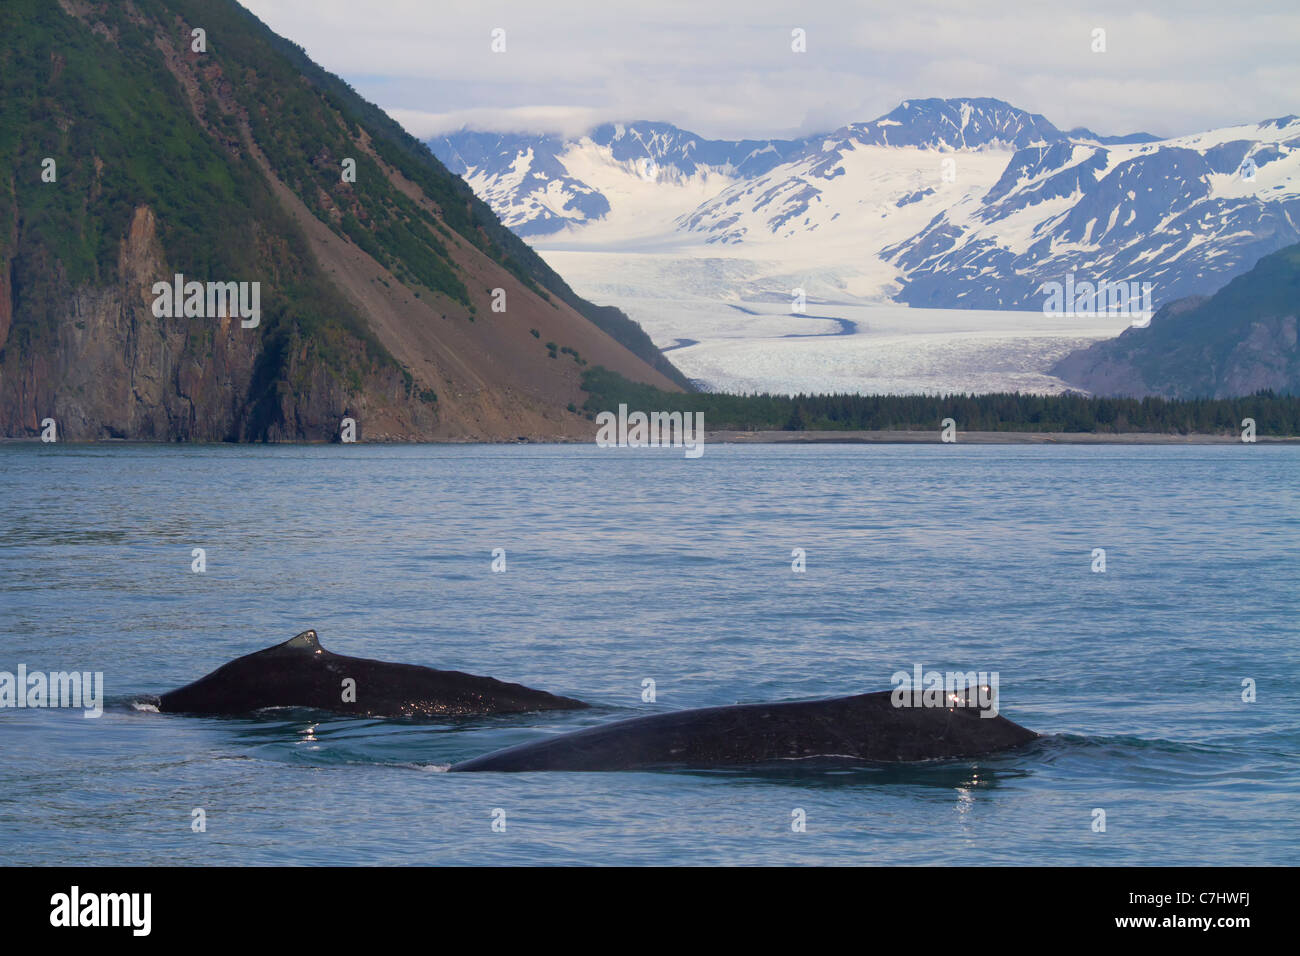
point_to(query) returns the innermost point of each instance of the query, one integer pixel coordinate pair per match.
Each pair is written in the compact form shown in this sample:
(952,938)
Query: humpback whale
(865,728)
(301,673)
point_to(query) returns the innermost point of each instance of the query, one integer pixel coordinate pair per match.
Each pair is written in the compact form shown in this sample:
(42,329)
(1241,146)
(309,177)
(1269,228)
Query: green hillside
(1239,341)
(134,119)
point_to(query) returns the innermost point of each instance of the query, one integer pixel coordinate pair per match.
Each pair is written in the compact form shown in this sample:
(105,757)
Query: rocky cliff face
(109,368)
(1240,341)
(393,298)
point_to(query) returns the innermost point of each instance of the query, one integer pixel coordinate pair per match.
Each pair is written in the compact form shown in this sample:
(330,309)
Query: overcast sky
(726,69)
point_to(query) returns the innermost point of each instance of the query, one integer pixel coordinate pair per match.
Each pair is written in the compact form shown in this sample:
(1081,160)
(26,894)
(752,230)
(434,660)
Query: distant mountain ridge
(538,174)
(1083,133)
(536,164)
(956,203)
(955,124)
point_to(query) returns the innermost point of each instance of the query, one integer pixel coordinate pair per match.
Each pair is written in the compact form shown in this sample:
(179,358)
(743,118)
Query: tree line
(1274,414)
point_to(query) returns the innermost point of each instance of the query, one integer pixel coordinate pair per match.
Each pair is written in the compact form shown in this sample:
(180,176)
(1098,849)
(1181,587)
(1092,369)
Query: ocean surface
(628,564)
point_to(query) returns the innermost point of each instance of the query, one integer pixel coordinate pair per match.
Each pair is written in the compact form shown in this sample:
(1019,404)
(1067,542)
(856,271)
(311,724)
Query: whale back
(301,673)
(866,727)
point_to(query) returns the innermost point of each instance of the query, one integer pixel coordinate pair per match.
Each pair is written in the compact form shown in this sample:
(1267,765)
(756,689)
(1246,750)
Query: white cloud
(726,69)
(563,120)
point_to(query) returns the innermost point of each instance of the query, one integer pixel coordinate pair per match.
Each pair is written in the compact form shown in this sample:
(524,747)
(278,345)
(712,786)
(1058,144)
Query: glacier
(941,205)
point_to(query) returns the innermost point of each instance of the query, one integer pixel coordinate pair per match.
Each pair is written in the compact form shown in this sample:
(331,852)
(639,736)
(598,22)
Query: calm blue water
(628,564)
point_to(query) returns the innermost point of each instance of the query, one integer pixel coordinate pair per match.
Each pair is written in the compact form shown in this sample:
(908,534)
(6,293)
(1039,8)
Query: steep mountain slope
(962,203)
(1241,340)
(135,152)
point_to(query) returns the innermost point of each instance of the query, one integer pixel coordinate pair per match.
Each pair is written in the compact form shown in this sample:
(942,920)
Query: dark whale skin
(866,727)
(301,673)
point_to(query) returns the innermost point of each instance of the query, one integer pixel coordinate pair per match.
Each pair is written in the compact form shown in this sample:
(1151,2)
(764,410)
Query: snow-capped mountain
(1185,214)
(835,175)
(966,203)
(523,179)
(955,124)
(533,182)
(910,253)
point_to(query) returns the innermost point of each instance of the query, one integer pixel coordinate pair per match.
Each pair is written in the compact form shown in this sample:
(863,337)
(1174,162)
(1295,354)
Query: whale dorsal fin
(306,641)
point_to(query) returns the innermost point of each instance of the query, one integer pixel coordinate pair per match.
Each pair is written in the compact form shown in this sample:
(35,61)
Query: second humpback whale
(866,727)
(301,673)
